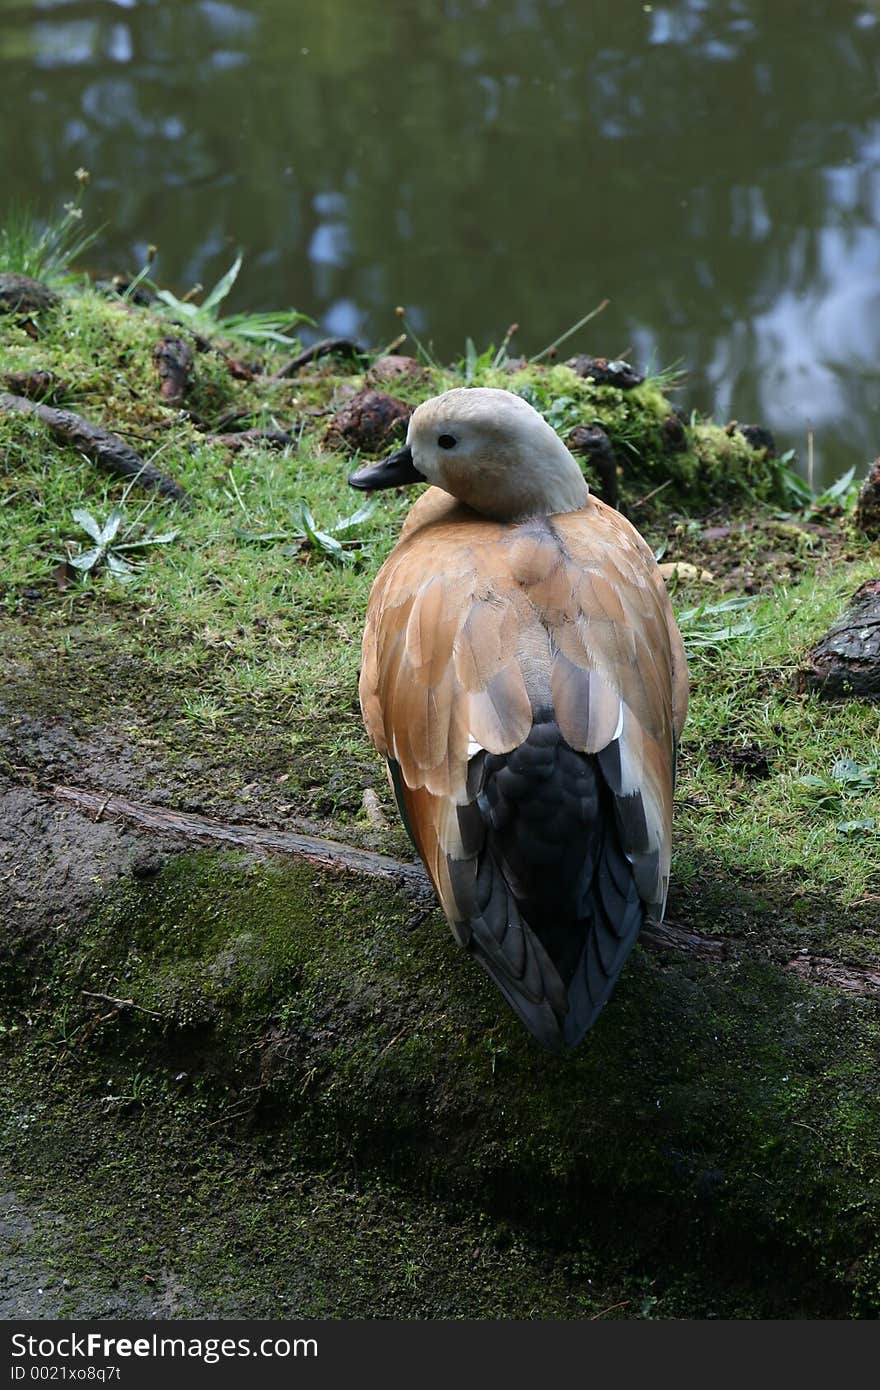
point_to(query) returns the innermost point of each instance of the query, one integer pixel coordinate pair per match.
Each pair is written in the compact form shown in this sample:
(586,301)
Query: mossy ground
(326,1088)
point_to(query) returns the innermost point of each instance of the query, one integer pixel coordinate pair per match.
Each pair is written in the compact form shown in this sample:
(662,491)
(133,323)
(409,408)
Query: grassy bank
(311,1077)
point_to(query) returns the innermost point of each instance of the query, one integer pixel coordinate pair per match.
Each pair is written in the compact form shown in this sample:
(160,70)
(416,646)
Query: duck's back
(527,684)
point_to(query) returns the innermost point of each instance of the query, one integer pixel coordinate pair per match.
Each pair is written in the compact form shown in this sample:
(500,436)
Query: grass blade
(222,288)
(564,337)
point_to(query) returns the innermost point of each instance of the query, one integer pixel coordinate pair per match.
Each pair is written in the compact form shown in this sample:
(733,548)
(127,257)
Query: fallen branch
(821,970)
(342,347)
(105,449)
(120,1004)
(330,854)
(327,853)
(412,879)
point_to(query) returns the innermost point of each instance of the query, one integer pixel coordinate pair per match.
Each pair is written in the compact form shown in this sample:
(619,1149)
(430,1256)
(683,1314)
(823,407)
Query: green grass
(45,250)
(205,317)
(743,695)
(268,631)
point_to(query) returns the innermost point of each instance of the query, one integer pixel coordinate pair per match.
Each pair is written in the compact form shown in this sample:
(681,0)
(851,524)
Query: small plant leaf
(119,568)
(854,827)
(357,518)
(264,537)
(320,540)
(699,629)
(854,777)
(87,522)
(838,488)
(110,527)
(165,539)
(179,306)
(87,560)
(108,550)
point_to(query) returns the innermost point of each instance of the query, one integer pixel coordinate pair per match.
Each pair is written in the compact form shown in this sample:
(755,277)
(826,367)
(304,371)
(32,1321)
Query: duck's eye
(447,441)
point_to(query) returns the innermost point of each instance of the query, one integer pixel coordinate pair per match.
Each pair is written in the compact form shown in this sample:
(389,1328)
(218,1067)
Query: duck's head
(490,449)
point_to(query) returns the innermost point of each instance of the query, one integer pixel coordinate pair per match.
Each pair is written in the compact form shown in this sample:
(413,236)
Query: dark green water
(711,166)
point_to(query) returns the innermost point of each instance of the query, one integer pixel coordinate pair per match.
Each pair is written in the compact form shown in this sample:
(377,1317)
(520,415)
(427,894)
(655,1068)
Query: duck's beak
(396,471)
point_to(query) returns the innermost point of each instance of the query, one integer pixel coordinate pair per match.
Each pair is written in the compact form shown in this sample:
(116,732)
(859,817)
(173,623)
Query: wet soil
(750,557)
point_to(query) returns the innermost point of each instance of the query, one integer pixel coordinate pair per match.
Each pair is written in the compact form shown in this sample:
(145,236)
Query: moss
(710,464)
(726,1114)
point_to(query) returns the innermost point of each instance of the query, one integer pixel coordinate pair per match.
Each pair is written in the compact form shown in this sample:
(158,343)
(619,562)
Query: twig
(625,1303)
(563,337)
(343,347)
(120,1003)
(648,495)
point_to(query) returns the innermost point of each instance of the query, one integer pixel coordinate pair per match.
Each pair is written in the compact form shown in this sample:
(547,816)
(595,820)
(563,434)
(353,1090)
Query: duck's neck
(558,486)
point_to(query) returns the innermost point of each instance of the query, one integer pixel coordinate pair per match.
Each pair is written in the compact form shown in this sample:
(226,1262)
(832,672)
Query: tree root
(411,878)
(328,854)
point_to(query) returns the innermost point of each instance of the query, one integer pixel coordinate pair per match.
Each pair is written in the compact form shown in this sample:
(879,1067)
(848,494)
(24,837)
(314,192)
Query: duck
(524,678)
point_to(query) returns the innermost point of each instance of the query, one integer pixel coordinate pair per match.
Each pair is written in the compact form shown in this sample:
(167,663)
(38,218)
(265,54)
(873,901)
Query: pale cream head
(494,452)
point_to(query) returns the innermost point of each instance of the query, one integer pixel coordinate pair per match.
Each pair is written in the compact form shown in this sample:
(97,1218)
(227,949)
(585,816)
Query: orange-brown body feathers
(524,677)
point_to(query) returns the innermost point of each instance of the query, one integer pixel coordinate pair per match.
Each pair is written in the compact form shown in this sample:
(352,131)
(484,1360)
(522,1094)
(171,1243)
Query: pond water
(712,167)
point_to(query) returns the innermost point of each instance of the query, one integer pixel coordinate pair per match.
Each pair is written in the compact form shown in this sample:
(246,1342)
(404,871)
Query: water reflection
(711,166)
